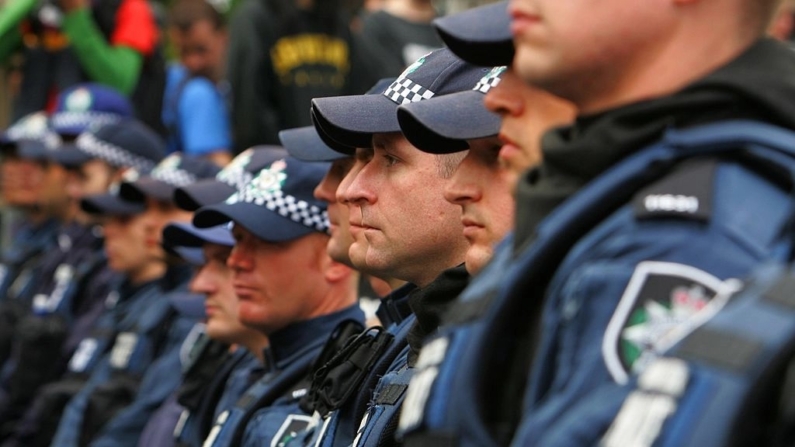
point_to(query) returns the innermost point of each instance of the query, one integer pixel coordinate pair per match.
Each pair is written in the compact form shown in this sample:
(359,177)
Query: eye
(389,160)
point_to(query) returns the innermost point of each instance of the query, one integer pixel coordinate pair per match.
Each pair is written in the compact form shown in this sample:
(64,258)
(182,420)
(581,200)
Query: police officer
(144,350)
(280,232)
(610,240)
(212,380)
(205,394)
(305,144)
(484,182)
(25,188)
(423,245)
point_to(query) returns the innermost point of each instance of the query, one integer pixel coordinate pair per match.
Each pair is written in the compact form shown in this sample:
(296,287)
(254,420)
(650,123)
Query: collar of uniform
(292,342)
(394,308)
(430,303)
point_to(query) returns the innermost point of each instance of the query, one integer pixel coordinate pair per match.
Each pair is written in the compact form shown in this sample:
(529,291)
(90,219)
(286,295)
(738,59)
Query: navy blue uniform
(338,426)
(271,407)
(236,375)
(608,279)
(143,356)
(67,298)
(382,391)
(20,260)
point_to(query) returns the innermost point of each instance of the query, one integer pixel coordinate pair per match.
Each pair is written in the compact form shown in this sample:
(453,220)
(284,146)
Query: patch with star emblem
(660,303)
(292,426)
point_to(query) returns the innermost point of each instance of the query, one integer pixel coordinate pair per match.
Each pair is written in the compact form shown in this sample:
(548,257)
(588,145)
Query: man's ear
(334,271)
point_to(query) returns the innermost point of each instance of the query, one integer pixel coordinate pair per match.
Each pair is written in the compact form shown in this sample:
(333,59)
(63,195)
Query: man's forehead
(388,139)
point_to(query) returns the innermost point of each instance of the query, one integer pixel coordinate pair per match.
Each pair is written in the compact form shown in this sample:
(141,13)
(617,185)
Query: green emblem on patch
(661,303)
(268,181)
(413,67)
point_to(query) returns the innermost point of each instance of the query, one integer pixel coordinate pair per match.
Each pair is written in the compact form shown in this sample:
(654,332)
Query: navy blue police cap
(232,177)
(352,120)
(110,203)
(186,240)
(305,144)
(480,36)
(122,144)
(377,89)
(176,170)
(85,105)
(31,137)
(277,205)
(185,234)
(442,125)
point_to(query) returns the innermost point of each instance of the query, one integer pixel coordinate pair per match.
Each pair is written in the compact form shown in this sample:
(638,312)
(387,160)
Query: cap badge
(79,100)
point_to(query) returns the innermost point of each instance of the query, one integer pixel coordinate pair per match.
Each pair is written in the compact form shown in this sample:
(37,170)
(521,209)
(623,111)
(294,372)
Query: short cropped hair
(185,13)
(446,164)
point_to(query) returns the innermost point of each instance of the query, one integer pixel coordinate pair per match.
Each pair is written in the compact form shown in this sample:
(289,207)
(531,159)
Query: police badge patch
(661,304)
(292,426)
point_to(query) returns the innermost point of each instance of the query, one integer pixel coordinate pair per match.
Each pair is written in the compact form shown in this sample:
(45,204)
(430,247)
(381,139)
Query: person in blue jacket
(288,288)
(624,236)
(195,100)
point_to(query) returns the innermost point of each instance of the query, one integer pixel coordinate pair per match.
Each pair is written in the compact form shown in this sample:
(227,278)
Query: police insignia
(662,303)
(413,67)
(79,100)
(292,426)
(234,173)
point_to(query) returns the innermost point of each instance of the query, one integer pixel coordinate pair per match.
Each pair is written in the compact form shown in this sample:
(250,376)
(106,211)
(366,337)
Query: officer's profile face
(550,37)
(356,251)
(214,280)
(125,246)
(201,48)
(483,187)
(396,202)
(341,239)
(21,180)
(278,283)
(526,113)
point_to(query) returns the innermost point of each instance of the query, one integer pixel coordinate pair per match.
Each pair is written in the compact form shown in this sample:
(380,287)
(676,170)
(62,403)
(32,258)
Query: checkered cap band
(491,80)
(114,155)
(285,205)
(50,140)
(235,173)
(171,173)
(82,119)
(406,91)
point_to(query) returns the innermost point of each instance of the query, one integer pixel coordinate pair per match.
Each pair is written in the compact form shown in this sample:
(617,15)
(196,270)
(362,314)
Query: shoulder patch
(661,304)
(684,193)
(292,426)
